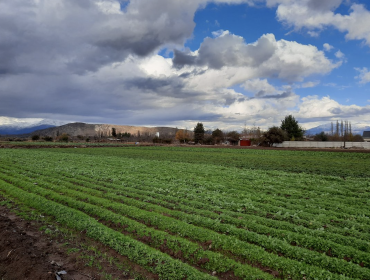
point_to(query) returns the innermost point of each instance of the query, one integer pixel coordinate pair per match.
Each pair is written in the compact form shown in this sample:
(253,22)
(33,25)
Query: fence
(323,144)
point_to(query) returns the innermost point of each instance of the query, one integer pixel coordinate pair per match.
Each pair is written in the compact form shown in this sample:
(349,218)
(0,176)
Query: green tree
(292,128)
(273,135)
(199,133)
(114,133)
(233,137)
(217,135)
(35,137)
(322,136)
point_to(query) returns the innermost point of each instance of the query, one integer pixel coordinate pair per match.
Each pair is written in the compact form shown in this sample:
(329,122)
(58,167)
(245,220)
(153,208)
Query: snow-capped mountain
(16,126)
(356,129)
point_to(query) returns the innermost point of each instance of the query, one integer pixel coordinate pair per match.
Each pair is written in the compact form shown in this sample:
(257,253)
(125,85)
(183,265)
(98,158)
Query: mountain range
(14,126)
(356,129)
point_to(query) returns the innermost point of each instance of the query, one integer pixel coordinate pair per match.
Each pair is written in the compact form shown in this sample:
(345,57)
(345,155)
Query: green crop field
(202,213)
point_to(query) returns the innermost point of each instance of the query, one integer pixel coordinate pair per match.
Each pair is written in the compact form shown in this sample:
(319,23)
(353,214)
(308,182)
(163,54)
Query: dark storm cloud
(193,73)
(261,94)
(349,111)
(49,51)
(155,85)
(181,58)
(78,36)
(324,5)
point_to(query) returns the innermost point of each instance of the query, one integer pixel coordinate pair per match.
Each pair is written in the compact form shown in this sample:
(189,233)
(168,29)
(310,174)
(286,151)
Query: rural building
(366,136)
(245,142)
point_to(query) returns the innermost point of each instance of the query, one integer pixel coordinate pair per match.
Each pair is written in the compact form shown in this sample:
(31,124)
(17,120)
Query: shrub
(321,136)
(64,137)
(357,138)
(163,141)
(273,135)
(35,137)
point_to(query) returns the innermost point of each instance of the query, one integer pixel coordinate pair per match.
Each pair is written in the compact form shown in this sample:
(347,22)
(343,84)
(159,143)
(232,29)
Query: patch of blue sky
(252,22)
(124,4)
(242,20)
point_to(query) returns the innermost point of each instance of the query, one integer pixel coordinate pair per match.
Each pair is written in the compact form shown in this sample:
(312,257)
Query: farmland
(196,213)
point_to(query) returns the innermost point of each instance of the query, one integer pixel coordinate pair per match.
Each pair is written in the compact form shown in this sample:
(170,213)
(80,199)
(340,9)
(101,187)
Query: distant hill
(96,130)
(356,129)
(14,126)
(12,130)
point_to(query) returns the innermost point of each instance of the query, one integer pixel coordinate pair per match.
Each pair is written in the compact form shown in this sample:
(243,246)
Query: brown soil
(28,253)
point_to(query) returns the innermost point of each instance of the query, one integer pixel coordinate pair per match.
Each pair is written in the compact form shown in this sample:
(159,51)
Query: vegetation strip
(320,244)
(331,248)
(311,224)
(297,226)
(219,241)
(153,260)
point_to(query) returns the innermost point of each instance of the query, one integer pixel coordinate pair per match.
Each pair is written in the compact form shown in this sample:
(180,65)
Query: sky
(229,64)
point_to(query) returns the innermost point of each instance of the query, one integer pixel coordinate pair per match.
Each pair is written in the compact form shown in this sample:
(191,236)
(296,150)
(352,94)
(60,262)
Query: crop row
(228,243)
(326,163)
(254,204)
(285,231)
(245,192)
(149,258)
(354,226)
(118,193)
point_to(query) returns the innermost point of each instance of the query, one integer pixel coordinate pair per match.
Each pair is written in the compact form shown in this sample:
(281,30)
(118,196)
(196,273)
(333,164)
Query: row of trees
(288,130)
(209,137)
(291,130)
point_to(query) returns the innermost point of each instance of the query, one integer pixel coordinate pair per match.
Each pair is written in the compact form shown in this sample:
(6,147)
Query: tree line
(289,130)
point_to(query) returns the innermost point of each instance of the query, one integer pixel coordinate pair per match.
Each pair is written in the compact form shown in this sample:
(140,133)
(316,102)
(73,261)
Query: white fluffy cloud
(317,14)
(266,58)
(364,76)
(310,84)
(96,61)
(328,47)
(339,55)
(259,85)
(313,107)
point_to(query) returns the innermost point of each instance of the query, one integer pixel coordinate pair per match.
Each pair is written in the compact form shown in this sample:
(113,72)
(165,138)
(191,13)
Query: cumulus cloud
(328,47)
(339,55)
(310,84)
(96,61)
(80,36)
(259,85)
(266,57)
(364,76)
(316,15)
(313,107)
